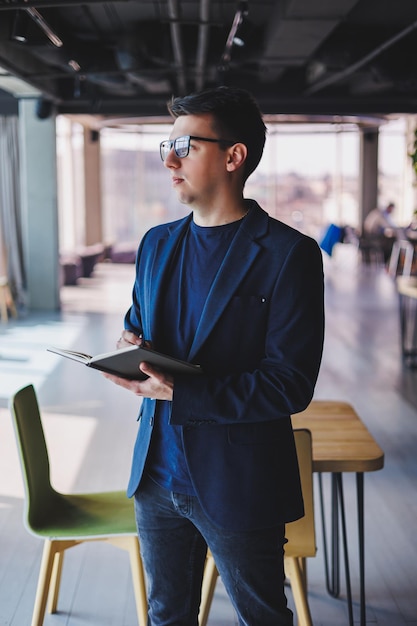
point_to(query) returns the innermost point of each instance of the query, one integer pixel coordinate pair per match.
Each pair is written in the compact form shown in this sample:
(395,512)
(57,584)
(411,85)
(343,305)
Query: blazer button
(151,420)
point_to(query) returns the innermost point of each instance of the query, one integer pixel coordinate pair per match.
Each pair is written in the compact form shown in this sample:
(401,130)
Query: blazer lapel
(237,262)
(163,255)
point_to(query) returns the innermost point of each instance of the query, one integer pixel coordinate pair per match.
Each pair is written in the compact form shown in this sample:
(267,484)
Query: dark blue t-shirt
(195,266)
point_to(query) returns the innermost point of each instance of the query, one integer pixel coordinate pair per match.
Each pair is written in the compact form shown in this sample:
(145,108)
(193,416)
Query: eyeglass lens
(181,147)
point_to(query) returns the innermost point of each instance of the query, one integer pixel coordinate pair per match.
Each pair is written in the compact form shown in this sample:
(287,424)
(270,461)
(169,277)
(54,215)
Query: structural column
(368,171)
(39,211)
(92,184)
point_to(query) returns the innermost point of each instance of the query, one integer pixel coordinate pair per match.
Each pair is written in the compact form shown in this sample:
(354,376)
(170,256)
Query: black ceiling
(128,57)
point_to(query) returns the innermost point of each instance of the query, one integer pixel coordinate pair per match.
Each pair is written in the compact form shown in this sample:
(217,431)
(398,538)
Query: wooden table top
(341,441)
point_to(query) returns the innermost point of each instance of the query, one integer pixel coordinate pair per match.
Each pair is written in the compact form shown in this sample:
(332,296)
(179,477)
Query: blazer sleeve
(133,317)
(282,380)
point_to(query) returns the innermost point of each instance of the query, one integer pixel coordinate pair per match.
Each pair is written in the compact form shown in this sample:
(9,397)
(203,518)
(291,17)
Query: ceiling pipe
(173,13)
(202,46)
(44,26)
(348,71)
(241,12)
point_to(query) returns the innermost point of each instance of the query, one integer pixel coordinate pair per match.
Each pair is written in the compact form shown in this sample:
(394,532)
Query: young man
(240,294)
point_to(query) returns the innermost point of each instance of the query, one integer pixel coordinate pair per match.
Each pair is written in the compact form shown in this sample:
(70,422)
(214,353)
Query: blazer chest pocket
(247,310)
(251,302)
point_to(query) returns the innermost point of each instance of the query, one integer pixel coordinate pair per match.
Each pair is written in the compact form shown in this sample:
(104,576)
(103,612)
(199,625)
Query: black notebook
(125,362)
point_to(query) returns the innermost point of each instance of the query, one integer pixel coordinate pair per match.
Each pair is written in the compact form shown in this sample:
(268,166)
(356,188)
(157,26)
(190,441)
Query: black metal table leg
(324,534)
(339,482)
(361,539)
(333,576)
(338,514)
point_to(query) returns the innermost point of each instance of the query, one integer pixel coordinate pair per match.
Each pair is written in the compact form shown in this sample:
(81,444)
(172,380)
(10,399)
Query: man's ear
(236,156)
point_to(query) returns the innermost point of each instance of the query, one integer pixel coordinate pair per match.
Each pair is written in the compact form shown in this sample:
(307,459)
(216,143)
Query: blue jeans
(174,533)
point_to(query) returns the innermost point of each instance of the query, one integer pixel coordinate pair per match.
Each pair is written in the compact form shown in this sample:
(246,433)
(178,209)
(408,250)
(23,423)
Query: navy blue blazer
(259,342)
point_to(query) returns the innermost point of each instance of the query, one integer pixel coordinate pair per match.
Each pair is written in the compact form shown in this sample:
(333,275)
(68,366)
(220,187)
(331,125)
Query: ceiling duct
(174,16)
(203,42)
(348,71)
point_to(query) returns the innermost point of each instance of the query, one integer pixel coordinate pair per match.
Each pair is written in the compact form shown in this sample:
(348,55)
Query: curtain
(11,245)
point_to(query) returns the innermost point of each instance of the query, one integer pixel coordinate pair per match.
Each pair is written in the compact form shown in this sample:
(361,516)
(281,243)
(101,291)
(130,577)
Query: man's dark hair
(236,117)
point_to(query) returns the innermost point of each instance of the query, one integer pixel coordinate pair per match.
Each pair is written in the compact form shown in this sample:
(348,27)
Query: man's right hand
(127,338)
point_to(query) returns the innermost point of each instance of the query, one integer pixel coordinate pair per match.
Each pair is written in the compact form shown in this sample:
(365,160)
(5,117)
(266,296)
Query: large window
(308,177)
(136,188)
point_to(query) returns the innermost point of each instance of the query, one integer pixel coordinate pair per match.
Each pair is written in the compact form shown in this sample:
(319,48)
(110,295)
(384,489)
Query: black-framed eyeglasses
(181,145)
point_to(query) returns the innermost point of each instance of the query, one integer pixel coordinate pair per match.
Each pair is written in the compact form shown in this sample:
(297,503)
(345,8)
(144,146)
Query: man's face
(198,178)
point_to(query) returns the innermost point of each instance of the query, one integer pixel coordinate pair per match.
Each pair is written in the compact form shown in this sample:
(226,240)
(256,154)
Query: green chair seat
(83,516)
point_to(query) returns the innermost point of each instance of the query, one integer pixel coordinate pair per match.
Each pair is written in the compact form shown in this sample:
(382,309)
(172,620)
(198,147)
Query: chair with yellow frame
(301,543)
(67,520)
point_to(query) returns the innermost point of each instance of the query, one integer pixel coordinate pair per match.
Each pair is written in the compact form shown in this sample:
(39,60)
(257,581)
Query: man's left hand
(158,385)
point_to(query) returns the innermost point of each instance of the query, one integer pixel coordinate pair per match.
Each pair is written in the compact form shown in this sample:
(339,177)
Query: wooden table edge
(334,409)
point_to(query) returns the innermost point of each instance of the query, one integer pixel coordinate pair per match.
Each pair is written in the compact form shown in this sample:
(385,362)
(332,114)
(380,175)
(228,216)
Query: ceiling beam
(5,5)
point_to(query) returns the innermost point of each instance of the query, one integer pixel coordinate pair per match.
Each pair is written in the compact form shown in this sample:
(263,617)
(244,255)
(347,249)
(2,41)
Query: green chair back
(41,498)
